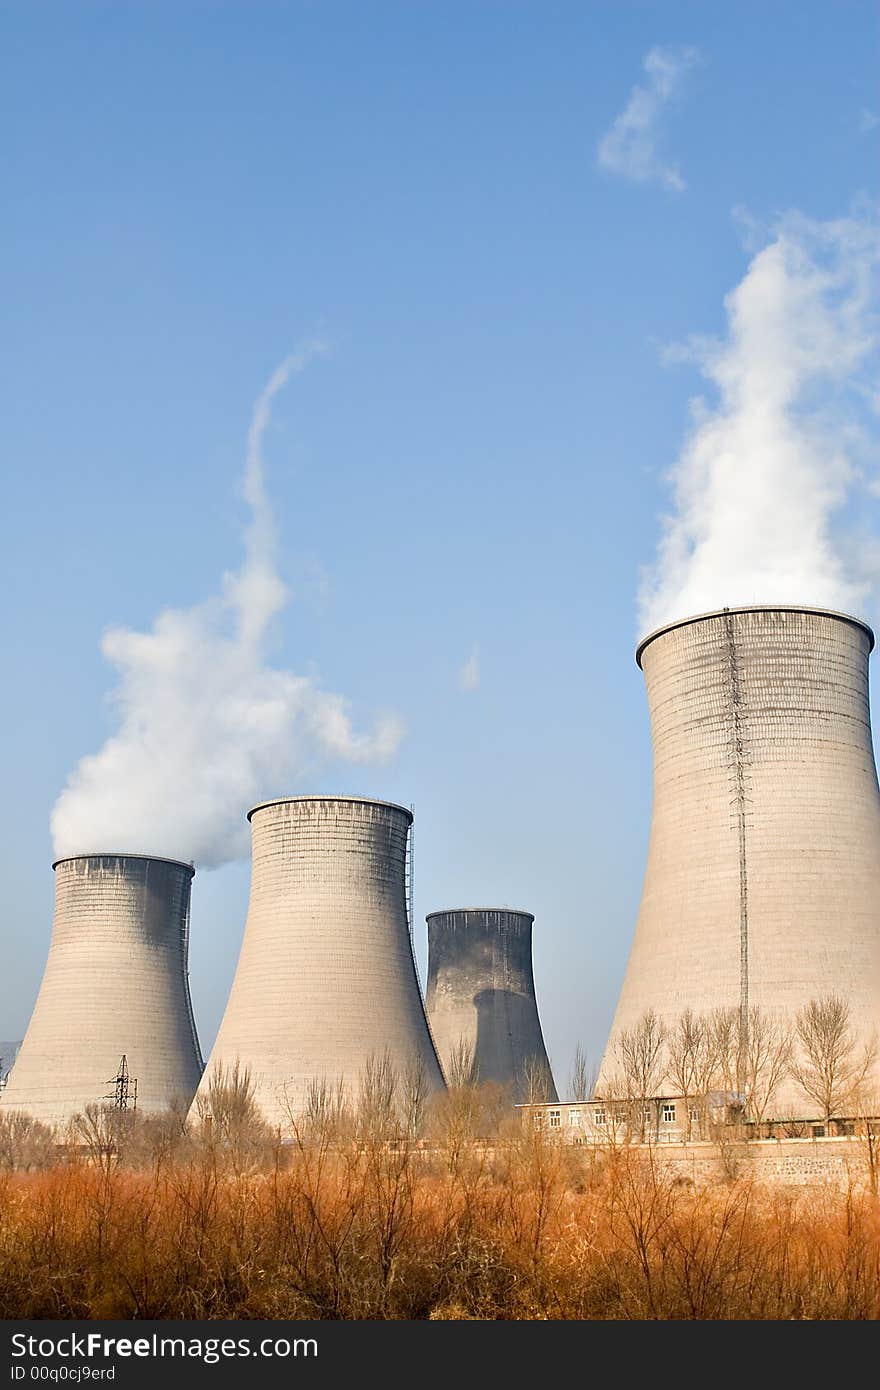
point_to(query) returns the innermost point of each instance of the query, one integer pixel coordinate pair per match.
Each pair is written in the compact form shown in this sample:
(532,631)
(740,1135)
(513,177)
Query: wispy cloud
(868,120)
(774,476)
(206,725)
(469,673)
(630,147)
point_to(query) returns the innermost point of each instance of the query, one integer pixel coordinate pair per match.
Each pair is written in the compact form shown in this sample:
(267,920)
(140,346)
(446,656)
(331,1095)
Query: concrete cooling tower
(481,998)
(115,984)
(762,885)
(326,978)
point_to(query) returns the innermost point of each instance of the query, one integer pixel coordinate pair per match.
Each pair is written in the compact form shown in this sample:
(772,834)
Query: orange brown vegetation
(355,1226)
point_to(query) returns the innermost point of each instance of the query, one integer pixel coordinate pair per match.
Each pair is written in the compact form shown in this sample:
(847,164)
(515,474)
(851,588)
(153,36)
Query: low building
(677,1120)
(663,1120)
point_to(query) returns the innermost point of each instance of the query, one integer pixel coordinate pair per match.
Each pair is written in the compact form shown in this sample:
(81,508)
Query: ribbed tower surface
(326,979)
(762,885)
(481,999)
(115,983)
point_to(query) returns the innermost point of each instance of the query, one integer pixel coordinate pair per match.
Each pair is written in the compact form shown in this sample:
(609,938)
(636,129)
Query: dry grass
(350,1226)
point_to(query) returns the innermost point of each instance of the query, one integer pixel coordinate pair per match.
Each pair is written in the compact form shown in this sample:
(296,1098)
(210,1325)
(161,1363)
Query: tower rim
(122,854)
(351,800)
(808,609)
(448,911)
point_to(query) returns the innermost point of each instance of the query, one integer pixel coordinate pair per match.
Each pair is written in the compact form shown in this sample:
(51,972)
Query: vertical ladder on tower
(409,876)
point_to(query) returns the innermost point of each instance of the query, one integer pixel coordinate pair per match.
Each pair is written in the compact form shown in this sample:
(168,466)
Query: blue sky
(479,458)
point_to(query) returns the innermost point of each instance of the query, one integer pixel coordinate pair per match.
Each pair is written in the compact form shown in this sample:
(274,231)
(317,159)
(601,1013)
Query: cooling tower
(326,979)
(481,999)
(115,983)
(762,885)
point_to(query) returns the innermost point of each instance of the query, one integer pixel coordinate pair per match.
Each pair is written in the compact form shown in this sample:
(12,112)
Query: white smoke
(206,726)
(773,481)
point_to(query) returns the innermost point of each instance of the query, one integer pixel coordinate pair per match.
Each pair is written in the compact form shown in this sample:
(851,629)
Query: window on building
(555,1119)
(599,1118)
(818,1131)
(669,1113)
(694,1114)
(574,1117)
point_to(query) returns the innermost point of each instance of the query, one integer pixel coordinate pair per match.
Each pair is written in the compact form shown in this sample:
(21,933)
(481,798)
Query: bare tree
(101,1132)
(536,1081)
(865,1113)
(707,1071)
(638,1053)
(726,1044)
(458,1113)
(752,1062)
(582,1078)
(870,1133)
(830,1067)
(377,1117)
(25,1143)
(458,1065)
(414,1096)
(230,1120)
(766,1057)
(326,1114)
(691,1064)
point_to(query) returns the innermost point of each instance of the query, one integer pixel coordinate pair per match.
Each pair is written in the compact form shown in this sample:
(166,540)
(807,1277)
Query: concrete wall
(783,1163)
(326,977)
(762,884)
(115,982)
(837,1161)
(481,996)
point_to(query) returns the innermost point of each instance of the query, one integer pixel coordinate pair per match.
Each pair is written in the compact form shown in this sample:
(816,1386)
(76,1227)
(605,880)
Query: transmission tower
(125,1088)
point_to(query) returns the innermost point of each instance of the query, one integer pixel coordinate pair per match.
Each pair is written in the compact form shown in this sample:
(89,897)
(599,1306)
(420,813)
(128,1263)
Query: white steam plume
(207,727)
(773,470)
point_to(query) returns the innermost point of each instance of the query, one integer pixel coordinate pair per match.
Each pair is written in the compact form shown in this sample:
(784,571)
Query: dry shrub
(24,1143)
(362,1221)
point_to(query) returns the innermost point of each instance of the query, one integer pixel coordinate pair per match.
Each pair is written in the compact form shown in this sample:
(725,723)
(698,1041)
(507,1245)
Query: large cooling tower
(326,979)
(115,984)
(481,998)
(762,885)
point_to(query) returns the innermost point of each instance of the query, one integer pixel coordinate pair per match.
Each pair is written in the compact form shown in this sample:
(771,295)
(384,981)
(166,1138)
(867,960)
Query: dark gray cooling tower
(115,984)
(481,998)
(326,979)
